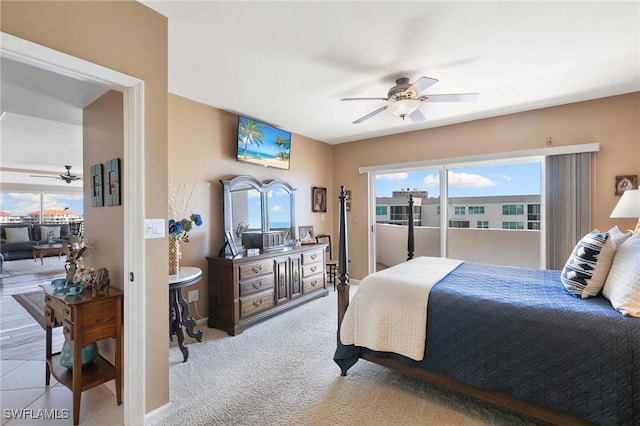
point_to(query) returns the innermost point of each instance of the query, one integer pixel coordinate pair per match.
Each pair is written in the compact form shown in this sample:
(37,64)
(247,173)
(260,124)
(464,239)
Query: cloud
(393,176)
(277,208)
(460,180)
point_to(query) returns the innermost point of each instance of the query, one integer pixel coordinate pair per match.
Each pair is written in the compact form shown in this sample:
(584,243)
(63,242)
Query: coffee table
(42,249)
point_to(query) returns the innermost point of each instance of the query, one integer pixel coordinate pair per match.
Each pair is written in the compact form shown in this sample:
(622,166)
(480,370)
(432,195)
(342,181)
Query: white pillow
(618,236)
(17,235)
(44,232)
(622,287)
(586,270)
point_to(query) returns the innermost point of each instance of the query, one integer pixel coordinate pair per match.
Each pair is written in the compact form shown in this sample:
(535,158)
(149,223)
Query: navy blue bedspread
(519,332)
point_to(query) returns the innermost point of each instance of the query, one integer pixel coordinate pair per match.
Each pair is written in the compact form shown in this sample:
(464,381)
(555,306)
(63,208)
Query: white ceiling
(290,63)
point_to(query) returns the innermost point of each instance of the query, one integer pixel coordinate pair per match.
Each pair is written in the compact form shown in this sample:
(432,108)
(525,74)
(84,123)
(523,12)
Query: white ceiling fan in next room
(404,99)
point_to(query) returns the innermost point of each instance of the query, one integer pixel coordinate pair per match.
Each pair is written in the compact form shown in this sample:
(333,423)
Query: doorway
(132,88)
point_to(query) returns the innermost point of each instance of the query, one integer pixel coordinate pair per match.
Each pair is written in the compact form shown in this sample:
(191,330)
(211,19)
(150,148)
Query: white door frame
(39,56)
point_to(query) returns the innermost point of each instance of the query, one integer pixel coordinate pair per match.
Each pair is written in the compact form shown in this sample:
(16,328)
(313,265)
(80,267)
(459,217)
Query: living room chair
(331,264)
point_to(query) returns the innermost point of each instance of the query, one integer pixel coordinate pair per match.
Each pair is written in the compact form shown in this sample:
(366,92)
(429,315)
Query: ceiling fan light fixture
(403,107)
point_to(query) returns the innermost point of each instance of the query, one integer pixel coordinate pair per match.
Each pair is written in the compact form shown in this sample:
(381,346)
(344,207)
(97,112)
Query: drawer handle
(313,256)
(313,283)
(257,268)
(257,284)
(47,298)
(313,269)
(66,312)
(66,330)
(257,303)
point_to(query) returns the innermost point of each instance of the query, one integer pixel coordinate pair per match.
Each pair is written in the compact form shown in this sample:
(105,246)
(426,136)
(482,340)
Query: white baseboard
(158,413)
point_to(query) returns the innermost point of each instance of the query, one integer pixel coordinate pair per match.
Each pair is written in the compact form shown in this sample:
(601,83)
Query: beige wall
(130,38)
(614,122)
(103,140)
(202,149)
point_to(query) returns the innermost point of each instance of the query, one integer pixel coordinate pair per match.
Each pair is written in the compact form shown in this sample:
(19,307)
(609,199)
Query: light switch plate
(153,228)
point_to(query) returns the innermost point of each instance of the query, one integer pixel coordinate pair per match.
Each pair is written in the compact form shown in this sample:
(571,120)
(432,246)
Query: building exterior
(518,212)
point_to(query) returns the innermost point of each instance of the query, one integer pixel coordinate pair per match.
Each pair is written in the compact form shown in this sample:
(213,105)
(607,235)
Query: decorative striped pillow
(587,268)
(622,287)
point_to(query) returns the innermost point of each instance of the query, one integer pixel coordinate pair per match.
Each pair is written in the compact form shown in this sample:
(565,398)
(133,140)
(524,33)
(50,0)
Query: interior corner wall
(130,38)
(614,122)
(202,149)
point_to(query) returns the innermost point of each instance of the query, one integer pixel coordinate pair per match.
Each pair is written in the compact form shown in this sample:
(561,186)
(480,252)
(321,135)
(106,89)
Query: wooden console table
(179,315)
(84,320)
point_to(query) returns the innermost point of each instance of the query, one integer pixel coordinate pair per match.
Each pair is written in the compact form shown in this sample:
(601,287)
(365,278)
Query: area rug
(33,302)
(12,268)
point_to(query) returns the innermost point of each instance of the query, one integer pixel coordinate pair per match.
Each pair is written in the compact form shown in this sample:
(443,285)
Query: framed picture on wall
(96,186)
(113,182)
(626,182)
(319,199)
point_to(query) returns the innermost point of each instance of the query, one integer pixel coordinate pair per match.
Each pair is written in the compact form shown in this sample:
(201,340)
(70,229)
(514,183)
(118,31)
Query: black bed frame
(497,398)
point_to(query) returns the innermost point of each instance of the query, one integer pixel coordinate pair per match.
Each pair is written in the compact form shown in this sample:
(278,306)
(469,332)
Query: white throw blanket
(389,311)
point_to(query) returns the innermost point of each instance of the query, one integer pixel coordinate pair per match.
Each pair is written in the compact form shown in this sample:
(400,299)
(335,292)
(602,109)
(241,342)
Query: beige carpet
(281,372)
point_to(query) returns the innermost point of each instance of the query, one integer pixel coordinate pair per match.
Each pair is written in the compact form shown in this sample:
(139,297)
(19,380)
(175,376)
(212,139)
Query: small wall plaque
(96,186)
(113,182)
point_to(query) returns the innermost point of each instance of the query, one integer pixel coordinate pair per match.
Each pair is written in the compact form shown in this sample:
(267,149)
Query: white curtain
(568,204)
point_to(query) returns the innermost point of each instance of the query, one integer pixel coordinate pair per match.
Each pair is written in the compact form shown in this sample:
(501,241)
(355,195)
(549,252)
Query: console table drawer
(254,304)
(309,270)
(313,283)
(255,269)
(59,309)
(254,286)
(312,257)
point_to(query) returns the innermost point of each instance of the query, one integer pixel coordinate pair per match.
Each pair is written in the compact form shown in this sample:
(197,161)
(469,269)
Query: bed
(511,336)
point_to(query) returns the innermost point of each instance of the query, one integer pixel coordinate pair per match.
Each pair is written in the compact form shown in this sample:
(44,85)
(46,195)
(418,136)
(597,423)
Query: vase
(87,354)
(174,257)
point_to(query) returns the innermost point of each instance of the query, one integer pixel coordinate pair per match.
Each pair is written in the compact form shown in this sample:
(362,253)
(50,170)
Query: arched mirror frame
(249,183)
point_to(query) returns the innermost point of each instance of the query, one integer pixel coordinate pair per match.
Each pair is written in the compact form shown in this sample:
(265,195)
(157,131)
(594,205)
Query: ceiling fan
(67,177)
(404,99)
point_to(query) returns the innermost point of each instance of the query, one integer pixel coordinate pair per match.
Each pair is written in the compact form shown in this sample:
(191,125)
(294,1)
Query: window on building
(512,209)
(458,224)
(534,226)
(482,224)
(512,225)
(459,210)
(438,209)
(381,210)
(533,212)
(476,209)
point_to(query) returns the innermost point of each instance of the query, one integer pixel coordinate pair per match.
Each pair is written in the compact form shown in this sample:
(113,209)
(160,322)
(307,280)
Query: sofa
(16,243)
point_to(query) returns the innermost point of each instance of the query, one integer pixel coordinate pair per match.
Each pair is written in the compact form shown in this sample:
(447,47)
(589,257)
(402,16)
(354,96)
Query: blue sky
(21,203)
(507,179)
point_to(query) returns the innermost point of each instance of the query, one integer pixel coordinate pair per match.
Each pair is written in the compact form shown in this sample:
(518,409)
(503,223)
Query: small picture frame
(228,237)
(319,199)
(626,182)
(306,235)
(96,186)
(348,200)
(112,186)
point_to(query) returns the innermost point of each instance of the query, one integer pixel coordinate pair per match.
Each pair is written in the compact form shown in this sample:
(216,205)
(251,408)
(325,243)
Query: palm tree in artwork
(283,144)
(250,133)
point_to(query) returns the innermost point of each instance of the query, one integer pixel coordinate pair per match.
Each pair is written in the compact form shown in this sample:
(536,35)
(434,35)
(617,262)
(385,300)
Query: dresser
(244,290)
(84,320)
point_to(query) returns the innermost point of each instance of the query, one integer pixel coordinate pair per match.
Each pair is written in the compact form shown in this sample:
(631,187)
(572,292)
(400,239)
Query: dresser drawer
(256,285)
(313,283)
(309,270)
(253,304)
(256,269)
(59,309)
(312,257)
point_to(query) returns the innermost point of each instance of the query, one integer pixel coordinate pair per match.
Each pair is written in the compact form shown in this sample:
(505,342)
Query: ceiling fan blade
(371,114)
(421,84)
(417,117)
(364,99)
(456,97)
(45,176)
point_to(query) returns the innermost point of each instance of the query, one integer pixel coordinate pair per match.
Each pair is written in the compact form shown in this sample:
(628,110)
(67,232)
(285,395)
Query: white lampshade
(628,206)
(403,107)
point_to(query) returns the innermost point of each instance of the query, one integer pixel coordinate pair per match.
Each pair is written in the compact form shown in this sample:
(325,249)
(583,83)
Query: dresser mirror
(252,206)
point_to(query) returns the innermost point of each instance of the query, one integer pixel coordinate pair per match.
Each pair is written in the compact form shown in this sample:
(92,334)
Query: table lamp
(628,207)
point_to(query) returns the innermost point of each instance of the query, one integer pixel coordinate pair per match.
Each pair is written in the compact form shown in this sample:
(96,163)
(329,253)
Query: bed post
(410,225)
(343,259)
